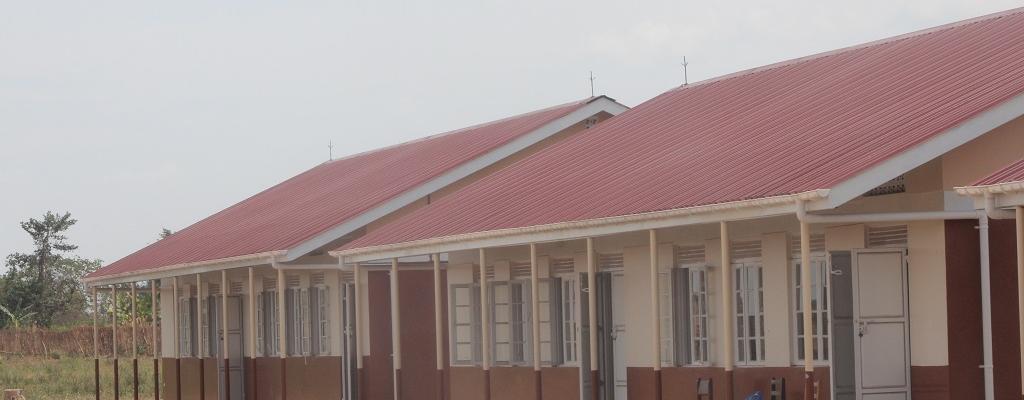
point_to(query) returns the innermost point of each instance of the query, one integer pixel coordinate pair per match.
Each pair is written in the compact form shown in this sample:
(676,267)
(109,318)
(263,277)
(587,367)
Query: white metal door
(882,333)
(619,333)
(235,342)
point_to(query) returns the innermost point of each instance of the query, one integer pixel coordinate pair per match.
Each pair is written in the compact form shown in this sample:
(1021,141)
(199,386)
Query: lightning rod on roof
(330,150)
(592,83)
(686,79)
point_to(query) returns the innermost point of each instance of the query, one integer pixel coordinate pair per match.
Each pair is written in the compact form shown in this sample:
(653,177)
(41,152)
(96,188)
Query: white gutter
(184,269)
(572,230)
(803,216)
(996,213)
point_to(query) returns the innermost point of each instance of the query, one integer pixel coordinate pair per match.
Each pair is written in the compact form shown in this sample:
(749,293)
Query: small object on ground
(13,394)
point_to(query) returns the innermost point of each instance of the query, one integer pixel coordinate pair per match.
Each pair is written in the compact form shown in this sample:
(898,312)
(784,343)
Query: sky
(140,115)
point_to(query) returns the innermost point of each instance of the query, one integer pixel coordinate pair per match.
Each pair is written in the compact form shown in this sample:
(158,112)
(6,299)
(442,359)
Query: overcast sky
(138,115)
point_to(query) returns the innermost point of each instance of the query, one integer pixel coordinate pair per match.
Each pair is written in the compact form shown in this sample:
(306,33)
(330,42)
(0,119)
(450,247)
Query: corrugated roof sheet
(1010,173)
(328,195)
(787,128)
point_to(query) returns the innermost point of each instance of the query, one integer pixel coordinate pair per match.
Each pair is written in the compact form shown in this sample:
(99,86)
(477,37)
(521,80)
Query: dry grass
(71,378)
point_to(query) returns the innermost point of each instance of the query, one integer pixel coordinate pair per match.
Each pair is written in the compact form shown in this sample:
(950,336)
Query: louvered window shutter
(289,305)
(681,330)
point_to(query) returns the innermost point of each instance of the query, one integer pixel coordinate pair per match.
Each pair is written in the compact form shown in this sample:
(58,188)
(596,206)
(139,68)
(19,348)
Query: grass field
(71,378)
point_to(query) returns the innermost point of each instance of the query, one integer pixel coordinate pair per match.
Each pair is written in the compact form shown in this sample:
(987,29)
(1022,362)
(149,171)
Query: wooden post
(135,345)
(727,290)
(113,328)
(396,331)
(592,316)
(805,301)
(95,341)
(438,326)
(535,321)
(652,236)
(282,341)
(156,357)
(224,332)
(485,325)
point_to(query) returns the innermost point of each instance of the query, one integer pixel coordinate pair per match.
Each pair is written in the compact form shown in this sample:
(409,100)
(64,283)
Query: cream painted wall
(927,279)
(984,155)
(777,307)
(637,302)
(845,237)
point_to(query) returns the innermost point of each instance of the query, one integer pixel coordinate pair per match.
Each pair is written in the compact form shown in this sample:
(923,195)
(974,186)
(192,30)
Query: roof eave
(573,230)
(593,107)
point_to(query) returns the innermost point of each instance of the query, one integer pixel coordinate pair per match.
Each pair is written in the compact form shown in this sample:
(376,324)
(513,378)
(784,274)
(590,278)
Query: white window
(749,292)
(204,326)
(509,323)
(321,321)
(692,314)
(819,309)
(570,320)
(298,330)
(271,334)
(260,328)
(465,320)
(186,322)
(665,310)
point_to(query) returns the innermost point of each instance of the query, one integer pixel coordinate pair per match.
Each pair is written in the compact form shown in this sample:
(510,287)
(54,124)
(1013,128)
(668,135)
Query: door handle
(862,328)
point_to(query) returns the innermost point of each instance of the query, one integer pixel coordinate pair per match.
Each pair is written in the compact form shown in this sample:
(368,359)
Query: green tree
(165,233)
(47,282)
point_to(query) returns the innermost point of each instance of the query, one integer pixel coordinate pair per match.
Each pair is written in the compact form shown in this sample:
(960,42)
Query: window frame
(822,316)
(517,326)
(740,292)
(683,328)
(473,324)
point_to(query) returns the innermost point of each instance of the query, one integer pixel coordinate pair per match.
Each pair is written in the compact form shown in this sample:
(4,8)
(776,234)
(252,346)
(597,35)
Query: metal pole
(224,332)
(135,345)
(95,341)
(252,332)
(396,331)
(438,326)
(1020,286)
(485,325)
(199,337)
(177,340)
(805,301)
(592,316)
(156,359)
(282,341)
(535,321)
(655,311)
(113,328)
(986,307)
(727,309)
(358,288)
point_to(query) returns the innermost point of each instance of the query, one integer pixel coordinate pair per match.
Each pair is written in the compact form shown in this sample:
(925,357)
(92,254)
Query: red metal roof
(1010,173)
(786,128)
(328,195)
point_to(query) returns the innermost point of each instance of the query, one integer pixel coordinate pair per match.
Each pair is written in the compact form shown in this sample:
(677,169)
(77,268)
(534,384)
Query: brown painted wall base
(465,383)
(513,383)
(308,378)
(929,383)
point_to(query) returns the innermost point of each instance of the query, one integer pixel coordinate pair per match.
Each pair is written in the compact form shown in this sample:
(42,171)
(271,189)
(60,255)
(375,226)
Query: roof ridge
(891,39)
(464,129)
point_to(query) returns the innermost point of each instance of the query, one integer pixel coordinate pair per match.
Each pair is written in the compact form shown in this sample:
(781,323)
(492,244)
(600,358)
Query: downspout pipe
(991,212)
(986,306)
